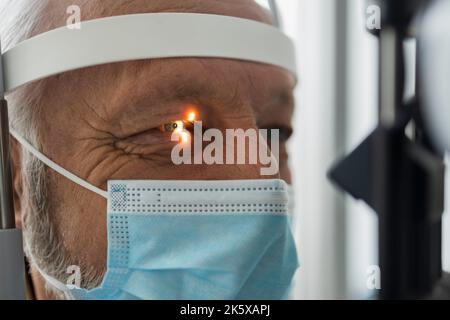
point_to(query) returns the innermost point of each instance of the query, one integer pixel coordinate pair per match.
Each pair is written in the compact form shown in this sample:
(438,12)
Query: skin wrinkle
(142,150)
(234,98)
(109,135)
(100,122)
(109,143)
(119,152)
(95,112)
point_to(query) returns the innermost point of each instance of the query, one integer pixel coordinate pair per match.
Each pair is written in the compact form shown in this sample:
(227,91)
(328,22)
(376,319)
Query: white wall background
(337,236)
(362,115)
(322,274)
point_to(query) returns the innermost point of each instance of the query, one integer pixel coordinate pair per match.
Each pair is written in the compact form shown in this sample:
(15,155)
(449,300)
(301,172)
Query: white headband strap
(146,36)
(51,164)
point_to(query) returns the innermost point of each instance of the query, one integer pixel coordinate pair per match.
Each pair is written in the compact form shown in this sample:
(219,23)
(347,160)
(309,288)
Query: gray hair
(19,20)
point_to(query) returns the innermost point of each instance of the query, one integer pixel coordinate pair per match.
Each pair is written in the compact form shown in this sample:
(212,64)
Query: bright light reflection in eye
(192,116)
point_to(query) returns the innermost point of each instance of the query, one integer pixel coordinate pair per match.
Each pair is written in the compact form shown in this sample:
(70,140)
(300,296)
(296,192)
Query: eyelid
(172,126)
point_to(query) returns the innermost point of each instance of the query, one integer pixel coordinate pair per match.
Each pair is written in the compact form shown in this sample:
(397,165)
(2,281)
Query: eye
(184,128)
(173,126)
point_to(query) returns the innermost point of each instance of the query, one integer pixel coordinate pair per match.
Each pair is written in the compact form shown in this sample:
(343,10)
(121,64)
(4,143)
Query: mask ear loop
(49,163)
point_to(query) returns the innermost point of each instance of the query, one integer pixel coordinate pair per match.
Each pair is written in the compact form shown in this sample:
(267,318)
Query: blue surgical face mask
(193,240)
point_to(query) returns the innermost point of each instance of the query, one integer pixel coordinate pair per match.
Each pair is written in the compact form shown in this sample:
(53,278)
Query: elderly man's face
(103,123)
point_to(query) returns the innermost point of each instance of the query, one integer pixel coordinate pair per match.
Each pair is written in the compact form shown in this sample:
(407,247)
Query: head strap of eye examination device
(51,164)
(146,36)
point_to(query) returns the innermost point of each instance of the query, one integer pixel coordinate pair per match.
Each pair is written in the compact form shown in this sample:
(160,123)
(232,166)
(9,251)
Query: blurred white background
(336,110)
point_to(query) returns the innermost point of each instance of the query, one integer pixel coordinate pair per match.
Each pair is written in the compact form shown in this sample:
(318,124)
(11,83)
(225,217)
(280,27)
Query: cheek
(80,218)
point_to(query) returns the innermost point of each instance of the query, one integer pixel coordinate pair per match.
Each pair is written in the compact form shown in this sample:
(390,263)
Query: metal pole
(6,197)
(7,220)
(408,176)
(12,282)
(387,194)
(276,14)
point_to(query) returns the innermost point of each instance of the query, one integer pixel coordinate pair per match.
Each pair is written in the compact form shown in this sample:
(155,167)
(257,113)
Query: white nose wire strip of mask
(146,36)
(30,148)
(199,197)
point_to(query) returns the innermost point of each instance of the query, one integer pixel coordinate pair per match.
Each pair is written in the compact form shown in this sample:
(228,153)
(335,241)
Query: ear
(16,165)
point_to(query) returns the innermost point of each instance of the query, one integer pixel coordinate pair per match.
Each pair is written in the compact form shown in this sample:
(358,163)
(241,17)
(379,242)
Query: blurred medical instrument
(399,172)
